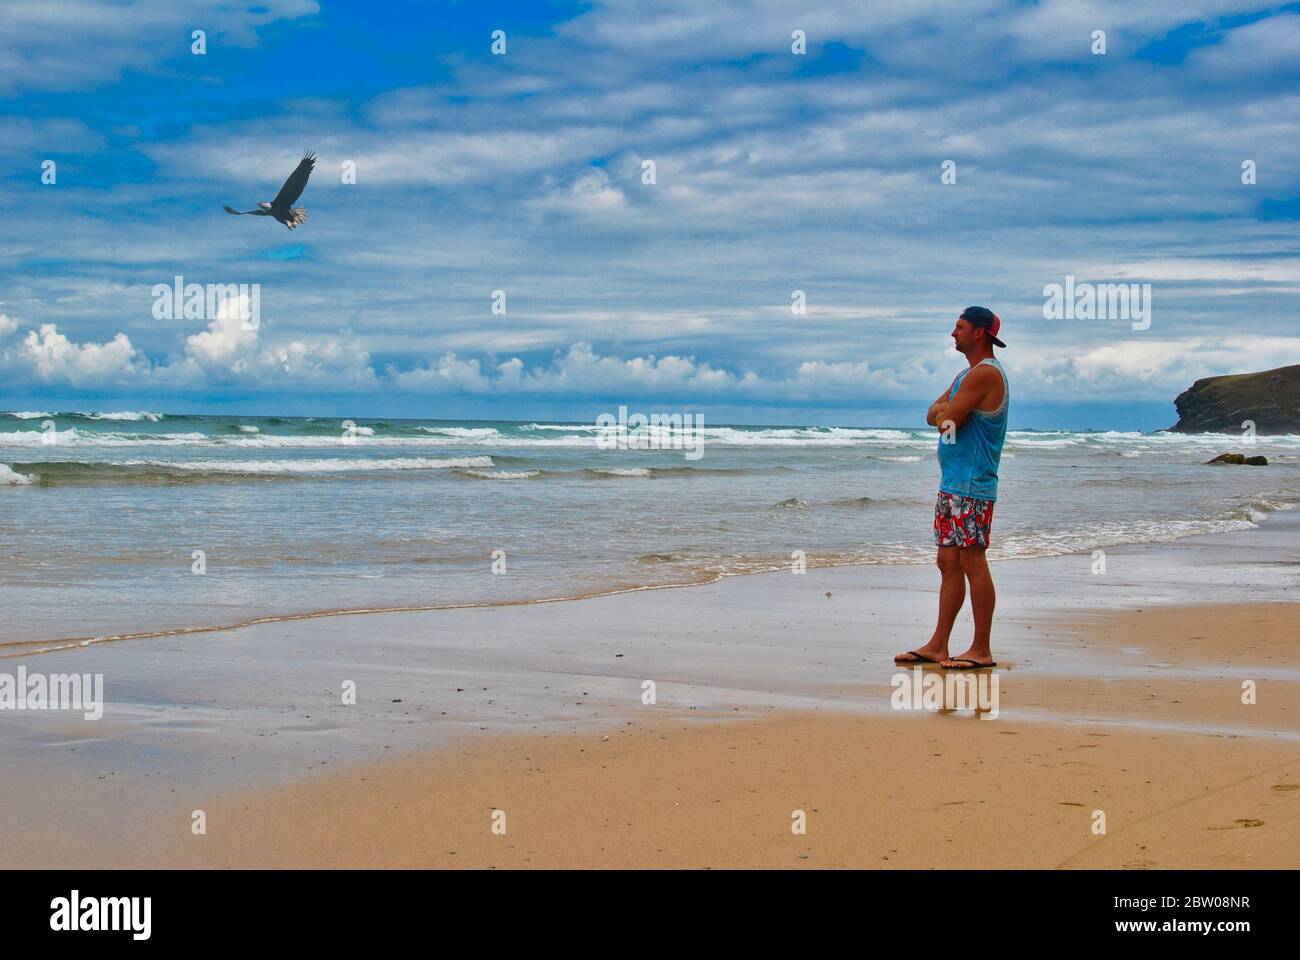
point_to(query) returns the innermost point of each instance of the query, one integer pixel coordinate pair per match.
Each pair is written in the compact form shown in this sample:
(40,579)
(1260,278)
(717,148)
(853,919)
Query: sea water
(124,522)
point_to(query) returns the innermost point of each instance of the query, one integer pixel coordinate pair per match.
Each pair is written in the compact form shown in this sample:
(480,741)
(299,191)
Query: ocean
(130,522)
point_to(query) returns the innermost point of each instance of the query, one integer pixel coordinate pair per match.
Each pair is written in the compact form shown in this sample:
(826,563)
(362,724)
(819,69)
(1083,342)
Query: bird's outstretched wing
(238,213)
(297,182)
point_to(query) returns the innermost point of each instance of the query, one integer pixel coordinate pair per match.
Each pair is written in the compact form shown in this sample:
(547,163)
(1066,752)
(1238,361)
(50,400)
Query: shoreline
(12,649)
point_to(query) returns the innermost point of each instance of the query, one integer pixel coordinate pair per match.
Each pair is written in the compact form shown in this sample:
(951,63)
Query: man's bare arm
(934,416)
(972,392)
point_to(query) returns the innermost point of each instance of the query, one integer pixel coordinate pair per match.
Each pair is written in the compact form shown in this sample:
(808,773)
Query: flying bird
(282,207)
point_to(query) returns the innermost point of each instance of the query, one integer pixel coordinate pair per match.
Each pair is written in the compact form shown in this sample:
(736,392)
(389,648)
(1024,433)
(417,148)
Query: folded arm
(934,416)
(974,390)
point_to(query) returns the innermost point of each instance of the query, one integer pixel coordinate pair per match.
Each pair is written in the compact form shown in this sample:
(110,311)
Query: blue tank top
(969,466)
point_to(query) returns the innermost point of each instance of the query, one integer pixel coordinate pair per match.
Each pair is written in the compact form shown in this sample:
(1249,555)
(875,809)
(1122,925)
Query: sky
(525,171)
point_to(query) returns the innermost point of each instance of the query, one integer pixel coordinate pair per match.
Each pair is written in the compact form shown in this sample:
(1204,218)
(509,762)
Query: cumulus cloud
(337,362)
(1146,367)
(53,357)
(1149,368)
(1158,368)
(225,342)
(222,354)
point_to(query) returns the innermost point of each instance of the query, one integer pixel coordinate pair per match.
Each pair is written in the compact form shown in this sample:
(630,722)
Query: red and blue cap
(986,318)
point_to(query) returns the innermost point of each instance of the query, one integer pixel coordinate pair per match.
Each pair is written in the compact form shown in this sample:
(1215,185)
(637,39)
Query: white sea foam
(1039,443)
(328,465)
(501,474)
(32,438)
(29,414)
(758,436)
(132,415)
(90,438)
(567,427)
(622,471)
(8,477)
(810,437)
(899,443)
(466,433)
(1082,539)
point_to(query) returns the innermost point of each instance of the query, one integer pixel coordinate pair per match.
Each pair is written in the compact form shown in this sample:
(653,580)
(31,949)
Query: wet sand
(917,789)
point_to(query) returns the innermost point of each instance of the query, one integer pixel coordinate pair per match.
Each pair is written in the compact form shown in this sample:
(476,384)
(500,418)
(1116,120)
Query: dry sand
(906,789)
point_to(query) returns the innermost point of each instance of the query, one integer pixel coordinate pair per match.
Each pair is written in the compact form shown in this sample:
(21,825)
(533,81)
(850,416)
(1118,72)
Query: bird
(282,207)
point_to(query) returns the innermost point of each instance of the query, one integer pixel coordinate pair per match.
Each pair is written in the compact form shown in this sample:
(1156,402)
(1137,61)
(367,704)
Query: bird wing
(237,213)
(297,182)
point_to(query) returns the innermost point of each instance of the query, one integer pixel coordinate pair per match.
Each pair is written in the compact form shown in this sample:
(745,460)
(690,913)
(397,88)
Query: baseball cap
(986,318)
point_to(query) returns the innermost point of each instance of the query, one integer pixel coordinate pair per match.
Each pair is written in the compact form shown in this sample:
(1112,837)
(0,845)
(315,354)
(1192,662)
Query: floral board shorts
(962,521)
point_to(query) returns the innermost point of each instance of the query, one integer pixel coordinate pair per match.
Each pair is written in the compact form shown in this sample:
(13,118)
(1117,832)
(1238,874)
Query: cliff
(1219,404)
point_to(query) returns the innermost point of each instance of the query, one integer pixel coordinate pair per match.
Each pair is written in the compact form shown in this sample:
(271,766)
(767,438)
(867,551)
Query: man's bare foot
(970,660)
(926,654)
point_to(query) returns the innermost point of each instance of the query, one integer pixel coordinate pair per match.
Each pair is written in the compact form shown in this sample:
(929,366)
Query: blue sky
(775,172)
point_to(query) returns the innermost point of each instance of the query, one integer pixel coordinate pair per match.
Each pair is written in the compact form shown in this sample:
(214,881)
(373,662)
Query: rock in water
(1240,458)
(1220,404)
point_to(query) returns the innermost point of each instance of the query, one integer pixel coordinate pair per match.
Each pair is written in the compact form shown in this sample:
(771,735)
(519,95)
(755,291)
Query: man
(971,417)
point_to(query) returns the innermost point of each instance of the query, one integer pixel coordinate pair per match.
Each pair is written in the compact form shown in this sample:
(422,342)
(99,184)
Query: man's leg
(975,568)
(952,594)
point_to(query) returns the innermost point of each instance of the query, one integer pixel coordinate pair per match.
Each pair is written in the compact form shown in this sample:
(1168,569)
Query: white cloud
(589,194)
(577,370)
(1063,28)
(1151,368)
(853,375)
(1268,46)
(448,373)
(336,361)
(53,357)
(61,46)
(225,342)
(1138,366)
(224,354)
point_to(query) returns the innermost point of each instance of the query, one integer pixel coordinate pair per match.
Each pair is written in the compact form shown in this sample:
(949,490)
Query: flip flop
(920,658)
(973,665)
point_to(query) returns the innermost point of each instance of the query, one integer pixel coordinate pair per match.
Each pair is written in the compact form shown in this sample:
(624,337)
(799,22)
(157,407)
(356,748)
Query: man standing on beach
(971,416)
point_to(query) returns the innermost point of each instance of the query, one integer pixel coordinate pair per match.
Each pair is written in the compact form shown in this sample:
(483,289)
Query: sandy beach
(935,790)
(1119,698)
